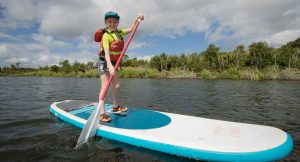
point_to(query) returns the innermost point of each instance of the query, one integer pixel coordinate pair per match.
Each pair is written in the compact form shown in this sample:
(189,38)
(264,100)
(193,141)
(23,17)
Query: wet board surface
(182,135)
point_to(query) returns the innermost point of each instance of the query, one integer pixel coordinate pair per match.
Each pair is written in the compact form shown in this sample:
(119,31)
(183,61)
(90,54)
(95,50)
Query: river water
(28,132)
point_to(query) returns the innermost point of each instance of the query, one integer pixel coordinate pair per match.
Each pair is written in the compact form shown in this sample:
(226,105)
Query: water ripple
(29,133)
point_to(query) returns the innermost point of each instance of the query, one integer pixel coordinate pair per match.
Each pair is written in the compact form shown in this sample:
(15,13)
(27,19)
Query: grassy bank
(269,73)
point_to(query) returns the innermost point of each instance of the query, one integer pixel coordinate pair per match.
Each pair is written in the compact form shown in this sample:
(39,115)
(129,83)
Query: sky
(42,32)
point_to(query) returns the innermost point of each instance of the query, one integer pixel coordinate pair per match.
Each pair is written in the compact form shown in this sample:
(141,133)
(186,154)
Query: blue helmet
(111,14)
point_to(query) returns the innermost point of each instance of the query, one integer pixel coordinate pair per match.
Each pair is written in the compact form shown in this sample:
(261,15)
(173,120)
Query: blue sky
(46,32)
(187,43)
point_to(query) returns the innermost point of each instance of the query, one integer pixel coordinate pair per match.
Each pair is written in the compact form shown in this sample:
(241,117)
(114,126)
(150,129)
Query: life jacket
(99,34)
(115,47)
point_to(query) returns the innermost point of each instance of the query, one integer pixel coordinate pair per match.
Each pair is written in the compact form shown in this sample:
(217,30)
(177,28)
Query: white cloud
(137,45)
(11,53)
(86,42)
(14,60)
(280,38)
(32,55)
(76,18)
(3,51)
(252,21)
(139,56)
(34,47)
(61,22)
(49,41)
(47,58)
(18,14)
(246,18)
(147,57)
(20,10)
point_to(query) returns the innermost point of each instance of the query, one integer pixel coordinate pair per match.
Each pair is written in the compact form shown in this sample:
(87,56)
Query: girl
(111,47)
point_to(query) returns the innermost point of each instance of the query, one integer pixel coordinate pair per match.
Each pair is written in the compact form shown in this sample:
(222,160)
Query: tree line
(259,55)
(64,66)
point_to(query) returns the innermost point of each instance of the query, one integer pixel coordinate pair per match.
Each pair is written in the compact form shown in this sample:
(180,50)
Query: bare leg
(104,79)
(115,89)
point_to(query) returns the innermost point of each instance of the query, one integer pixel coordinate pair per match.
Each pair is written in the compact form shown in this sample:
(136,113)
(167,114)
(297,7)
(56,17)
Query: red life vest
(98,35)
(115,47)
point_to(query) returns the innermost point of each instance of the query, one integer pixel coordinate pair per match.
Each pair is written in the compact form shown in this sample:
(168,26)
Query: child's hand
(141,16)
(111,70)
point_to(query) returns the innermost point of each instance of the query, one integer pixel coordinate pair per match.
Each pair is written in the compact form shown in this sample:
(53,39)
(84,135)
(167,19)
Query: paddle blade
(91,126)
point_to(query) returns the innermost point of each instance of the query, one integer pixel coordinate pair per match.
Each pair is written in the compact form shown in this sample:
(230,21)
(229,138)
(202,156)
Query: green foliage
(89,66)
(206,74)
(130,73)
(231,73)
(251,74)
(259,62)
(54,68)
(151,73)
(78,67)
(290,74)
(156,63)
(139,72)
(134,63)
(271,72)
(239,56)
(260,55)
(66,67)
(15,66)
(288,55)
(211,56)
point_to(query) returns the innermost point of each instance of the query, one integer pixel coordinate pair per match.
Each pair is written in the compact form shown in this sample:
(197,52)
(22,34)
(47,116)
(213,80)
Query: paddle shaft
(120,58)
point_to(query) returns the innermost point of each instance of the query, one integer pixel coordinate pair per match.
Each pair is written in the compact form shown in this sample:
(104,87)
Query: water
(28,132)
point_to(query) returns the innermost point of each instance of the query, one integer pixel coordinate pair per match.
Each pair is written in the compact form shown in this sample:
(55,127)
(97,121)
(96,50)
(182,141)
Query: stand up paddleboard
(182,135)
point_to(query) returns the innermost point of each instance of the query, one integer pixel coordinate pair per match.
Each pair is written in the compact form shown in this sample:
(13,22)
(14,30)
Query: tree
(174,62)
(155,62)
(284,55)
(78,67)
(16,66)
(260,54)
(160,62)
(211,56)
(183,61)
(288,54)
(66,67)
(239,50)
(54,68)
(163,61)
(89,66)
(295,59)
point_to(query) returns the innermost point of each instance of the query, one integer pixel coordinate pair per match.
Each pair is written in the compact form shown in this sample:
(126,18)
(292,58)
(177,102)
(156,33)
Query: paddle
(92,123)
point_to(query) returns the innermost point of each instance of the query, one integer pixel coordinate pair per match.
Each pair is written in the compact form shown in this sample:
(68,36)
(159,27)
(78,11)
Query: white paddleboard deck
(188,136)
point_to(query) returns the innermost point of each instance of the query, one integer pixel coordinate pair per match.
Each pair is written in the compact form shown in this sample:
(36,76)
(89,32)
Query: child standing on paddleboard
(111,47)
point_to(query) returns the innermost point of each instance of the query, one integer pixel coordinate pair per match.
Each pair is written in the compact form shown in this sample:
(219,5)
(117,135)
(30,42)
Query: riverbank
(269,73)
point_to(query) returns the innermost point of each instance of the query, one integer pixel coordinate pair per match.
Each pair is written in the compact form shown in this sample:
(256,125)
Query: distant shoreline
(259,62)
(269,73)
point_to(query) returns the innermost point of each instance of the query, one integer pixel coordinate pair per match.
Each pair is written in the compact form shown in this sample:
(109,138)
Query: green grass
(231,73)
(251,74)
(138,72)
(206,74)
(290,74)
(271,72)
